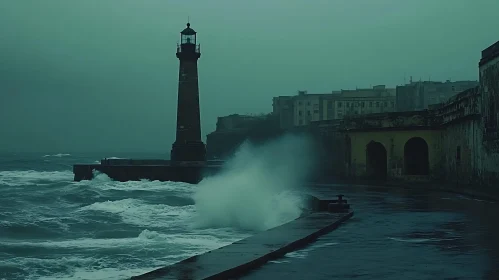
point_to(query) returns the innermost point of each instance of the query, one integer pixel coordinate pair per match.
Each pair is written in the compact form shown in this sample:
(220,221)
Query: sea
(54,228)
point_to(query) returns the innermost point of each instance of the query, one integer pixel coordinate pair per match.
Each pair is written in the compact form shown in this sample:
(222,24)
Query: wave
(103,182)
(57,155)
(31,177)
(146,237)
(140,213)
(257,188)
(77,267)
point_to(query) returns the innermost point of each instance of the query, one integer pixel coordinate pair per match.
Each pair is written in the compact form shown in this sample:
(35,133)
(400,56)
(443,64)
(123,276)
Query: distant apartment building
(303,108)
(419,95)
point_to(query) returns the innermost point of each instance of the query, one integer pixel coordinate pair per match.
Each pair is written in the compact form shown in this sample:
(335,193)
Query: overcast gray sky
(99,75)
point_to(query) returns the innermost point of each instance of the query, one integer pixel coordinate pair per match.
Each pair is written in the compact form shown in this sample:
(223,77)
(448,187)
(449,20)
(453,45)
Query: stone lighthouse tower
(188,146)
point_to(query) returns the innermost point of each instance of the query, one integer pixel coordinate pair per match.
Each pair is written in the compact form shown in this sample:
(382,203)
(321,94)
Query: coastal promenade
(396,233)
(399,233)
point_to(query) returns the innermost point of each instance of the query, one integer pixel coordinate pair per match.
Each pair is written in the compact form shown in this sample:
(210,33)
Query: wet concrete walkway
(254,251)
(399,234)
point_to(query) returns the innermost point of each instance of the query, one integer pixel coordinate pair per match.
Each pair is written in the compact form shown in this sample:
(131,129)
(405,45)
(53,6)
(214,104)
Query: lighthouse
(188,145)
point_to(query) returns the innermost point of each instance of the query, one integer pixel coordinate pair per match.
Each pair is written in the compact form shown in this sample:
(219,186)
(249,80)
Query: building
(419,95)
(283,108)
(489,82)
(236,121)
(304,108)
(454,142)
(378,99)
(234,129)
(188,146)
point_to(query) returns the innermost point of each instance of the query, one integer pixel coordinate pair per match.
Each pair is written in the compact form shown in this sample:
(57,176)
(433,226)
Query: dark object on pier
(339,205)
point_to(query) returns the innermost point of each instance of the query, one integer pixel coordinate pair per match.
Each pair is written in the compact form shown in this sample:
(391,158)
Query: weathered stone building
(456,142)
(393,146)
(489,84)
(234,129)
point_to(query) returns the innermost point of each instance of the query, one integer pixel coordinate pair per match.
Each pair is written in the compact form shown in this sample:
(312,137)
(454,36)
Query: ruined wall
(330,144)
(489,84)
(461,153)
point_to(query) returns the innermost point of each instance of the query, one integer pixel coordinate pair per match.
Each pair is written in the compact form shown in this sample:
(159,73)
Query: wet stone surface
(399,234)
(249,249)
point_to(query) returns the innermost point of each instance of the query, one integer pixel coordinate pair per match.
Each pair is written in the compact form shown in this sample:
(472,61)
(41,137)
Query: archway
(376,161)
(416,160)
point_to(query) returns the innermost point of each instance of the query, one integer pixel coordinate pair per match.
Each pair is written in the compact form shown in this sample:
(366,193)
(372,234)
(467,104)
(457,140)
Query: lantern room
(188,36)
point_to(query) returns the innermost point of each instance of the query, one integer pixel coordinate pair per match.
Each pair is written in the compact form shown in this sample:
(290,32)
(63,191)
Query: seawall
(242,256)
(134,172)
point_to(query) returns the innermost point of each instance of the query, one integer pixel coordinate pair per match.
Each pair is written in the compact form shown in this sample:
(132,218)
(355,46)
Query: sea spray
(257,188)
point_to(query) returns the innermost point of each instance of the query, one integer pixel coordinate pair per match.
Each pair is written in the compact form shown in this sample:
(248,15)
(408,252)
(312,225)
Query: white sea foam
(58,155)
(103,182)
(255,190)
(81,267)
(138,212)
(303,253)
(146,240)
(32,177)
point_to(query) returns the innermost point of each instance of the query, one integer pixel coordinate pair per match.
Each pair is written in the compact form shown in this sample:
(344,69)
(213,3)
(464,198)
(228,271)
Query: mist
(92,76)
(257,188)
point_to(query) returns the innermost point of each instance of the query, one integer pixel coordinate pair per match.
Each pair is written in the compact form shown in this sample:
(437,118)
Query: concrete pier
(239,258)
(136,169)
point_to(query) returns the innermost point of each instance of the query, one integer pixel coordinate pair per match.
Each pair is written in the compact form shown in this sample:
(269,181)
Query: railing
(188,48)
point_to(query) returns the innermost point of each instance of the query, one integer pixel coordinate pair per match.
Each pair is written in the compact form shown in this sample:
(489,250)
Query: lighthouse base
(188,152)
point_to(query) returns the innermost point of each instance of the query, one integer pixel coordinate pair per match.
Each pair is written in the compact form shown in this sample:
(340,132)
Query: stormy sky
(101,75)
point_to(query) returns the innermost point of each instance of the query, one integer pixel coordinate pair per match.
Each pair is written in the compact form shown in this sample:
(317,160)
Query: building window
(362,104)
(316,111)
(393,104)
(308,113)
(299,113)
(339,104)
(458,154)
(384,104)
(299,102)
(370,104)
(330,104)
(308,103)
(377,104)
(348,104)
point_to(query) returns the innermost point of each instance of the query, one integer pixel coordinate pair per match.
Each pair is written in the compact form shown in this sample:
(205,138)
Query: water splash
(256,189)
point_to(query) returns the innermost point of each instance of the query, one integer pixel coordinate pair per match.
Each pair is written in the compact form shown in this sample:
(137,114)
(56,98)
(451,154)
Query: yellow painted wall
(394,142)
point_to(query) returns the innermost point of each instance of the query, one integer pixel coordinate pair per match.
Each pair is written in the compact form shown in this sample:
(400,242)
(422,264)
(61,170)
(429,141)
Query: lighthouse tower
(188,146)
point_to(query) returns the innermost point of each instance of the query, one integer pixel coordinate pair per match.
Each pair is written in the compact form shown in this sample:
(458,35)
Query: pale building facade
(303,108)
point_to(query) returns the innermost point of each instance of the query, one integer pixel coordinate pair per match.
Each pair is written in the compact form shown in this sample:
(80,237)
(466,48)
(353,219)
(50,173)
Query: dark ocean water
(54,228)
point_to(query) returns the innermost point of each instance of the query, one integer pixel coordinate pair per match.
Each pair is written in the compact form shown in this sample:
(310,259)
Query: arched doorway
(416,160)
(376,161)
